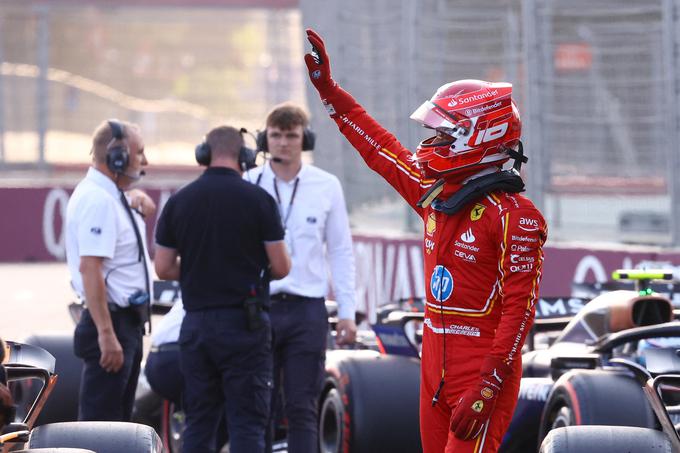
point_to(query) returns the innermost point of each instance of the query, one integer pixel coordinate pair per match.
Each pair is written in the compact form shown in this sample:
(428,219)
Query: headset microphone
(135,177)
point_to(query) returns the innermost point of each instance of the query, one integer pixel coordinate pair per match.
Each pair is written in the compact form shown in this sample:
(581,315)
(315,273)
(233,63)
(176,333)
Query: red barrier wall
(387,269)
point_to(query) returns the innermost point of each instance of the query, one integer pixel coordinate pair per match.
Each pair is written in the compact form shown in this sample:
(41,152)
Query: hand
(141,202)
(318,64)
(475,406)
(345,332)
(111,359)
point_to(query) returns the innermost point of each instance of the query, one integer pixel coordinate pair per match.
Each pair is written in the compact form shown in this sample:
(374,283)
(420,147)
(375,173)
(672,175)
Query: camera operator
(222,238)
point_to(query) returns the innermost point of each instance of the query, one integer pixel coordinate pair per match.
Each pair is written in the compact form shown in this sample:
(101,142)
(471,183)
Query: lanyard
(140,248)
(290,204)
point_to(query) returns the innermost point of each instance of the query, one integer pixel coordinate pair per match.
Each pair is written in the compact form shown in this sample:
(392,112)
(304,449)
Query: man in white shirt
(108,261)
(317,233)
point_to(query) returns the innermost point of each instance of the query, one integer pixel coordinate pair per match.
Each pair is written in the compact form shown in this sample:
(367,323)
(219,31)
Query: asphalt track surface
(34,298)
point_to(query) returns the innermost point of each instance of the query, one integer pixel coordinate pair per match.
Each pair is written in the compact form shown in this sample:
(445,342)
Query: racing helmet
(475,124)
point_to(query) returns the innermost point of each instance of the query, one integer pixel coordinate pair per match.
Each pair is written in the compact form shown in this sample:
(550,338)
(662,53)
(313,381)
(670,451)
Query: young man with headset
(221,237)
(317,235)
(107,257)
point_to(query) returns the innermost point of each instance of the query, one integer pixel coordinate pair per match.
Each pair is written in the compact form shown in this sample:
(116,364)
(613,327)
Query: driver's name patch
(453,329)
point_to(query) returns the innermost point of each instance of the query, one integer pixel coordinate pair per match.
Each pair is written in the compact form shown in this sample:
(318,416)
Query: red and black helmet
(476,123)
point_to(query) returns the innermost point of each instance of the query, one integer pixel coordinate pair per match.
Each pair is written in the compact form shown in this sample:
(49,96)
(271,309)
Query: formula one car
(614,439)
(31,364)
(581,377)
(571,376)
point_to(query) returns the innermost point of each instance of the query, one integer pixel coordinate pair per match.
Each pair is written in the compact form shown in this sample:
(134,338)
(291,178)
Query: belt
(165,347)
(293,298)
(115,308)
(228,307)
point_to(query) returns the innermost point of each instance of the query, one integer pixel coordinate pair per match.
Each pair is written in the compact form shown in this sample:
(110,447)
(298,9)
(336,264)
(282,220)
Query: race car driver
(482,248)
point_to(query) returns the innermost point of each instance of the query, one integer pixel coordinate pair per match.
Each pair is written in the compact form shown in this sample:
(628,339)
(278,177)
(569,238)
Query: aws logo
(528,224)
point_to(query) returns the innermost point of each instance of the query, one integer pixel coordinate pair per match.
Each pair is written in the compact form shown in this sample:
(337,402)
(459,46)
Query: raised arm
(377,146)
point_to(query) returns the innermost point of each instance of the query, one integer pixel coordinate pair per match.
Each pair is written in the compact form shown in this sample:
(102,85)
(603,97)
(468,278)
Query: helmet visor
(431,115)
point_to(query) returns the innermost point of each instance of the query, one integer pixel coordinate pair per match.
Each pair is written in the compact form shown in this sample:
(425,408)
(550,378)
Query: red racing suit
(482,269)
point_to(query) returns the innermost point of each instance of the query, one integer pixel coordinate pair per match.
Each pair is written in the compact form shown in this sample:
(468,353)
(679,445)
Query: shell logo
(431,224)
(487,393)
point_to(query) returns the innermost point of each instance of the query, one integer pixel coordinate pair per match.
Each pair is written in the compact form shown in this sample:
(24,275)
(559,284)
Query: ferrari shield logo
(477,212)
(477,406)
(431,224)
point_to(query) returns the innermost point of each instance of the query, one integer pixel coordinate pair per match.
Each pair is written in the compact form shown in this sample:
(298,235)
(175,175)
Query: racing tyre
(369,403)
(595,397)
(102,437)
(331,418)
(604,439)
(62,405)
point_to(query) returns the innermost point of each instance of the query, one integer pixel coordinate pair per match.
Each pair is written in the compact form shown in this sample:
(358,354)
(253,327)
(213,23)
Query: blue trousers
(103,395)
(226,368)
(300,334)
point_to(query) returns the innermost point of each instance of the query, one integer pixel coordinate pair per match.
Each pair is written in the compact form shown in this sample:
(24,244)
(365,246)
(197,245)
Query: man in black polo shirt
(229,237)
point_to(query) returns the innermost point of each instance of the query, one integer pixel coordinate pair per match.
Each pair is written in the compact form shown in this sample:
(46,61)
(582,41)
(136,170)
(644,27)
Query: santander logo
(468,237)
(475,97)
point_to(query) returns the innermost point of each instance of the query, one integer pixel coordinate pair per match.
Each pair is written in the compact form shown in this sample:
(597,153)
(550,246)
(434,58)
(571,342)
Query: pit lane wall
(31,229)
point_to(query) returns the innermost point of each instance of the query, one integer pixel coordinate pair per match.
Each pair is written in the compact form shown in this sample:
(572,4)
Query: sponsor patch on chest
(476,212)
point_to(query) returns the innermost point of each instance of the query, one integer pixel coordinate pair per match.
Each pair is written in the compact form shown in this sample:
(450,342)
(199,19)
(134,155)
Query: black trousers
(300,326)
(162,372)
(103,395)
(226,368)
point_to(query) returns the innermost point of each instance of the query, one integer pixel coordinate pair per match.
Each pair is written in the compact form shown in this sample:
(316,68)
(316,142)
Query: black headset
(246,156)
(308,140)
(117,151)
